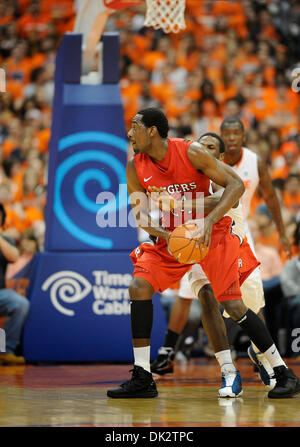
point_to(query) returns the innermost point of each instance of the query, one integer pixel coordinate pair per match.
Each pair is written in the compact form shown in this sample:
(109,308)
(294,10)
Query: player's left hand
(205,239)
(204,230)
(286,245)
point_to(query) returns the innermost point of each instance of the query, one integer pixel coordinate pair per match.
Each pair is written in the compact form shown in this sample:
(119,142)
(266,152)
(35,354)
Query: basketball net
(165,14)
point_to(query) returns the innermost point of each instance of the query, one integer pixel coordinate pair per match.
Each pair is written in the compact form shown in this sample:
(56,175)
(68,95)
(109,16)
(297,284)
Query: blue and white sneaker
(231,384)
(265,370)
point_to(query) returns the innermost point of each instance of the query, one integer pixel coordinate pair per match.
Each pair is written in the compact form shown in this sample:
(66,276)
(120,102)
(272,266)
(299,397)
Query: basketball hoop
(165,14)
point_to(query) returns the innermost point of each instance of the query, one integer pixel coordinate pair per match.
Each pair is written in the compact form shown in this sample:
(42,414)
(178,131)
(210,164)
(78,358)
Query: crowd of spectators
(30,32)
(235,58)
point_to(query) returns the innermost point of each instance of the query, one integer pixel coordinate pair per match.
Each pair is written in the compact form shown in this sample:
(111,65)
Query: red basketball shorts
(221,264)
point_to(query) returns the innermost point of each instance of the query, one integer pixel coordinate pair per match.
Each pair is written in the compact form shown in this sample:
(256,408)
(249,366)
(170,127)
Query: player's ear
(221,156)
(152,131)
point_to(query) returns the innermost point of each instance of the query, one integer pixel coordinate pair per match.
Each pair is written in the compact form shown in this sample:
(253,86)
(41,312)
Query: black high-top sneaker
(164,363)
(287,384)
(141,384)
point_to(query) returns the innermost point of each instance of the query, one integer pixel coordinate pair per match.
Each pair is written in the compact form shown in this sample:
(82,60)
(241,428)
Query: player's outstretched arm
(219,174)
(140,205)
(272,203)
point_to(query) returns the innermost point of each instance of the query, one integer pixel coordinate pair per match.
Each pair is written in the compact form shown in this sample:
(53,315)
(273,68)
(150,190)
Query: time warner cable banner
(83,313)
(78,289)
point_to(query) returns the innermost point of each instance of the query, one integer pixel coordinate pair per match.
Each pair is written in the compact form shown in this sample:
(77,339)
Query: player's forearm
(157,232)
(210,203)
(151,225)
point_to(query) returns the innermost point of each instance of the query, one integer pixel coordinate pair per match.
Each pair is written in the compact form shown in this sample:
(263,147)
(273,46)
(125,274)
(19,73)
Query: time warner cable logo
(2,340)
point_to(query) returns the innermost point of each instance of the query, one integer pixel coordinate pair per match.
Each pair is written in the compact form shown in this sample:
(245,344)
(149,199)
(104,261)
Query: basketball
(184,247)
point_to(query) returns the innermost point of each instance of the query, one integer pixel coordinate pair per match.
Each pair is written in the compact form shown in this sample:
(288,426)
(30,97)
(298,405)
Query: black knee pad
(141,318)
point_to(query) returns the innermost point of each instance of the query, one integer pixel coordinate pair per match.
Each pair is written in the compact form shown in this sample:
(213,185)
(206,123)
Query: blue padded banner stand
(78,287)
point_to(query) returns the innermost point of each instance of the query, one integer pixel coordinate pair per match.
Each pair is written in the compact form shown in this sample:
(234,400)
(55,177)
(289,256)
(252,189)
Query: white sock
(142,357)
(225,360)
(273,357)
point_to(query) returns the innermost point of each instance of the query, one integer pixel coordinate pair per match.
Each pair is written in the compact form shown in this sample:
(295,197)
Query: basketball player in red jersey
(183,166)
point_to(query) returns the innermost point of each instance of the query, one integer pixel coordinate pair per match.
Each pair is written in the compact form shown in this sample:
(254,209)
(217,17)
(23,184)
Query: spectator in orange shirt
(177,105)
(18,65)
(153,58)
(34,19)
(13,139)
(268,234)
(39,80)
(187,54)
(291,193)
(33,196)
(161,87)
(247,61)
(291,157)
(271,264)
(7,12)
(14,176)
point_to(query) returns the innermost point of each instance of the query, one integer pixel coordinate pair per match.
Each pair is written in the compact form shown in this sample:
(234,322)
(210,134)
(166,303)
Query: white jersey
(236,215)
(247,169)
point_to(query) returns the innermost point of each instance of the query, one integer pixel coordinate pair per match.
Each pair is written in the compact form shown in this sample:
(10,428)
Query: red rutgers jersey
(177,166)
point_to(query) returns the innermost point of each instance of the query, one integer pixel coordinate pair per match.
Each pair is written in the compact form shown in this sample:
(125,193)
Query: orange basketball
(183,247)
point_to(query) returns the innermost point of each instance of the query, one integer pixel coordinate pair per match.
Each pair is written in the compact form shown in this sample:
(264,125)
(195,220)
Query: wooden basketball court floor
(75,396)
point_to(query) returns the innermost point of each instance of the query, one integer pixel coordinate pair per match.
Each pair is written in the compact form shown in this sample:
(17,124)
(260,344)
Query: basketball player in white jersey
(254,172)
(252,293)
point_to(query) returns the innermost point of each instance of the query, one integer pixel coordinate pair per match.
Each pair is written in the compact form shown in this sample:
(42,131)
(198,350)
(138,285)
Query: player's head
(233,134)
(213,143)
(147,125)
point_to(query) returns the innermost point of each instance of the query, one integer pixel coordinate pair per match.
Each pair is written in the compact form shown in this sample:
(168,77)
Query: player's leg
(253,297)
(221,266)
(215,330)
(164,363)
(287,384)
(155,270)
(141,383)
